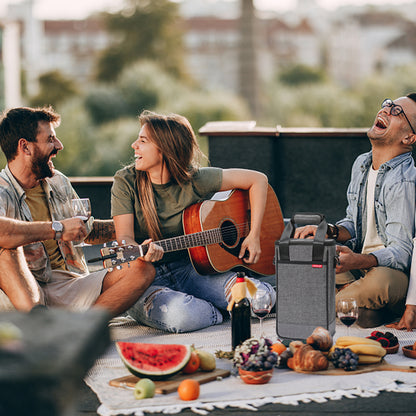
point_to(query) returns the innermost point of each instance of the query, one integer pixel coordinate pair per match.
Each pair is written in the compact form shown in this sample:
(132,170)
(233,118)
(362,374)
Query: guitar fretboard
(183,242)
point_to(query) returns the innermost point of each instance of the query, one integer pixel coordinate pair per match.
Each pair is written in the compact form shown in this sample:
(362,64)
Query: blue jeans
(181,300)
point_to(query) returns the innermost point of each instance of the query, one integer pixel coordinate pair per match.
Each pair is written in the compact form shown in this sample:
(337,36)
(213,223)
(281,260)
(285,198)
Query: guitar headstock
(116,256)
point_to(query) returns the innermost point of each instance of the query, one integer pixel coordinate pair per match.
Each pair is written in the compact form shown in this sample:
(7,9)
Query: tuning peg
(123,242)
(118,267)
(114,244)
(132,258)
(105,245)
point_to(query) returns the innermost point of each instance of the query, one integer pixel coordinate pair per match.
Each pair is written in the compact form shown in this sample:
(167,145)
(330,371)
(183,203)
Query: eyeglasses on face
(395,110)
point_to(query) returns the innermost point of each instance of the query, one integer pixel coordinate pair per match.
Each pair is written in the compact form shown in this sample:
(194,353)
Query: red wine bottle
(240,313)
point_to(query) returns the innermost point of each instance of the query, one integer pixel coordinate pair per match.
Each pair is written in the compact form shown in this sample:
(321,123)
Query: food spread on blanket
(319,352)
(162,361)
(348,352)
(154,363)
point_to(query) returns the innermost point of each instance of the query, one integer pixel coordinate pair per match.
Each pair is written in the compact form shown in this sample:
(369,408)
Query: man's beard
(40,166)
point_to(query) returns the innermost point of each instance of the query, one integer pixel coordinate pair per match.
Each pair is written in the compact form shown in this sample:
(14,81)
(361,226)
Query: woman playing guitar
(148,199)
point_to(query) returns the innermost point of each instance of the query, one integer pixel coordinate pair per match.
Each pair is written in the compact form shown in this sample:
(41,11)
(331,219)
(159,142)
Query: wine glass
(347,310)
(81,208)
(261,304)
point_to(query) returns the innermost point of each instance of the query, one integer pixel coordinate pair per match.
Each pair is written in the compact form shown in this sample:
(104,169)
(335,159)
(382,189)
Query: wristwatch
(332,231)
(58,228)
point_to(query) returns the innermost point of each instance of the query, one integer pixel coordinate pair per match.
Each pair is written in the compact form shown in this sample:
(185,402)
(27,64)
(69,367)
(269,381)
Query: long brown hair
(173,135)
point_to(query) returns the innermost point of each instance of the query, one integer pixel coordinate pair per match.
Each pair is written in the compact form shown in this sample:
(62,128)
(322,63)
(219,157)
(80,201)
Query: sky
(78,9)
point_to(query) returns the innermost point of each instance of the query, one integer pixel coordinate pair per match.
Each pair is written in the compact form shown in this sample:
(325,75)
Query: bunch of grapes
(344,358)
(255,355)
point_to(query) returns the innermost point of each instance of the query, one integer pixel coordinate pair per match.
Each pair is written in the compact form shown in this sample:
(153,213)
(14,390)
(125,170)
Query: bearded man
(39,264)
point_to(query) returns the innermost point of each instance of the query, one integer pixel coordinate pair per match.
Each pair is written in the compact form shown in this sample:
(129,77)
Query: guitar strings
(222,233)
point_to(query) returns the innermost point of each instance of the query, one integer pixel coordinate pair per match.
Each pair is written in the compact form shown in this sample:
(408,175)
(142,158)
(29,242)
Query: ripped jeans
(181,300)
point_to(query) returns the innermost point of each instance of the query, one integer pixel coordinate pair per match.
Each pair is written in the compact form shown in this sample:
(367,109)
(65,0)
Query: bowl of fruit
(255,360)
(387,340)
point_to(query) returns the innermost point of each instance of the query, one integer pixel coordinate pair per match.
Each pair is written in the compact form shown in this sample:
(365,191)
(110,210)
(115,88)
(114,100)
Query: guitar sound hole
(229,233)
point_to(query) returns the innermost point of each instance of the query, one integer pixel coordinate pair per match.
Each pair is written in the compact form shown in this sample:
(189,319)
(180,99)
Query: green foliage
(105,104)
(98,132)
(143,30)
(327,104)
(54,88)
(144,85)
(301,74)
(138,87)
(201,107)
(90,150)
(77,134)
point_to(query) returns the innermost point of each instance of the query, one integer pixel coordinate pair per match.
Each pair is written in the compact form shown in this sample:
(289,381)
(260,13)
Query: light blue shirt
(394,204)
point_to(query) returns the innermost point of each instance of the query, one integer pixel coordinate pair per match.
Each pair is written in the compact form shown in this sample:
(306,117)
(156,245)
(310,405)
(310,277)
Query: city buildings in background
(349,44)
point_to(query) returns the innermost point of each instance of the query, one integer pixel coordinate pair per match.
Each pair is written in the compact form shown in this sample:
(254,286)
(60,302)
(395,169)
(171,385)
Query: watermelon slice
(154,361)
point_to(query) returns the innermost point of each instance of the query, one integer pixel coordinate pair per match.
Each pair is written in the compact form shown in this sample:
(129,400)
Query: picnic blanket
(285,387)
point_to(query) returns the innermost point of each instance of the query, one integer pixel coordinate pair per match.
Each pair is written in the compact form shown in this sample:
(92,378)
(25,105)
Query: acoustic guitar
(214,230)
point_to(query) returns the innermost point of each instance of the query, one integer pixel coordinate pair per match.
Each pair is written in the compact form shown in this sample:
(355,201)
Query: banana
(368,359)
(346,341)
(367,349)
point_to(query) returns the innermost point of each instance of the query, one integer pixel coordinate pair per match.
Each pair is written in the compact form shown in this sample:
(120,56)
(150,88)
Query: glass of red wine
(347,310)
(261,305)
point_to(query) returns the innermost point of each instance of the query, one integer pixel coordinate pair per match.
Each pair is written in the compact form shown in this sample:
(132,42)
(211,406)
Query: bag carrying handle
(304,218)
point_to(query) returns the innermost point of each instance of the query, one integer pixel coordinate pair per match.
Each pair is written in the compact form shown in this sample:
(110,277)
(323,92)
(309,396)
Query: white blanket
(286,386)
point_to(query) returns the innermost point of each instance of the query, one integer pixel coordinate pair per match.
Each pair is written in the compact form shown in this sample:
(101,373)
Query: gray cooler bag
(305,280)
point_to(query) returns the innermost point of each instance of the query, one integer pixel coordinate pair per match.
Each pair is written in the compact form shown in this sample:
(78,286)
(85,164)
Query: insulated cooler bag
(305,280)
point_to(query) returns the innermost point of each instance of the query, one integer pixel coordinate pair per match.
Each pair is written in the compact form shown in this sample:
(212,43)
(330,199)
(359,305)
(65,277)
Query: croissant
(320,339)
(294,345)
(306,358)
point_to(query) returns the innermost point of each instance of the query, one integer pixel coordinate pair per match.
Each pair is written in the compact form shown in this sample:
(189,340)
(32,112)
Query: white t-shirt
(372,241)
(411,291)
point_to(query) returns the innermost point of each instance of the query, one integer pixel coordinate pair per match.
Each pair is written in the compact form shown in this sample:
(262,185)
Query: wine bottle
(240,312)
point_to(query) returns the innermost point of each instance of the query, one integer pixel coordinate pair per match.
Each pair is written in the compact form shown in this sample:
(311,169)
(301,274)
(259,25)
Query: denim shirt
(59,193)
(394,204)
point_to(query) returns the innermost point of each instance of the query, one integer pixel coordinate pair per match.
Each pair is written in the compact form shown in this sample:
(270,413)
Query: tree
(143,30)
(140,85)
(301,74)
(55,88)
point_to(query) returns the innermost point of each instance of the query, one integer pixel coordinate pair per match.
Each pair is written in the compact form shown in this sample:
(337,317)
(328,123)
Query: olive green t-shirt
(171,200)
(36,200)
